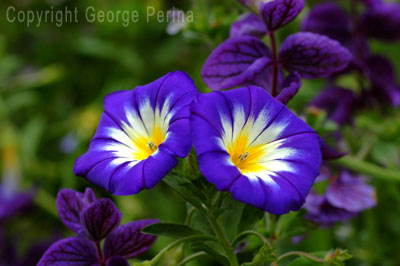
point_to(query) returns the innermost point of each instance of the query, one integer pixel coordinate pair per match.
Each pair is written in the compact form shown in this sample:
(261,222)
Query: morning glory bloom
(345,197)
(250,144)
(140,134)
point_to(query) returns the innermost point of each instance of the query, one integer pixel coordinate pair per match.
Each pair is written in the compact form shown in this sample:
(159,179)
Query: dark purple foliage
(73,251)
(383,78)
(290,87)
(127,241)
(278,13)
(100,218)
(237,61)
(382,22)
(330,20)
(338,102)
(95,220)
(117,261)
(248,24)
(70,204)
(14,203)
(313,55)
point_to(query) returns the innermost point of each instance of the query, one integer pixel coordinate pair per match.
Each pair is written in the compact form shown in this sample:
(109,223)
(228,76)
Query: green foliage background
(53,81)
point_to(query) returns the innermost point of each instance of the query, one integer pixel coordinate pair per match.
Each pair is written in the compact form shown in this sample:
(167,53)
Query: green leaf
(186,190)
(210,250)
(250,216)
(170,230)
(264,255)
(291,224)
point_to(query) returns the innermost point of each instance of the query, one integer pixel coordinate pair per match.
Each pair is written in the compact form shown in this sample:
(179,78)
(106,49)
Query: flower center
(244,155)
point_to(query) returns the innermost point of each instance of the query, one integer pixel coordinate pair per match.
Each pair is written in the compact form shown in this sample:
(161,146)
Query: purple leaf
(330,20)
(329,153)
(313,55)
(127,241)
(382,22)
(248,24)
(70,204)
(337,102)
(117,261)
(383,77)
(100,218)
(237,61)
(278,13)
(73,251)
(290,87)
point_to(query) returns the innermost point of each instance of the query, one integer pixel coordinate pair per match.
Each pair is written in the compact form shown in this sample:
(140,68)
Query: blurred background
(52,84)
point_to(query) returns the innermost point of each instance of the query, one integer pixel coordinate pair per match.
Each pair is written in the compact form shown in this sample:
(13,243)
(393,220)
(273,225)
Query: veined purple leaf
(70,204)
(383,77)
(330,20)
(100,218)
(313,55)
(117,261)
(248,24)
(237,61)
(290,87)
(337,102)
(278,13)
(382,22)
(127,241)
(73,251)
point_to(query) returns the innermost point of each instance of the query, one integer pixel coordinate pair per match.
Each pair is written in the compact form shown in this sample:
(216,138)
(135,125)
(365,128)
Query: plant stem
(275,63)
(100,253)
(191,257)
(301,254)
(230,253)
(251,232)
(369,169)
(177,242)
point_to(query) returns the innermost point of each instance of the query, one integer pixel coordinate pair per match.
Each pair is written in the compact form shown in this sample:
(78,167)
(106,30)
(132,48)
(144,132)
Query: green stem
(251,232)
(369,169)
(191,257)
(301,254)
(176,243)
(230,253)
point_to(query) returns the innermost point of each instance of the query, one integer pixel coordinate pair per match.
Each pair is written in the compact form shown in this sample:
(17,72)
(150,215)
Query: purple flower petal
(351,194)
(330,20)
(337,102)
(291,86)
(278,13)
(313,55)
(248,24)
(253,146)
(382,22)
(322,212)
(100,218)
(383,77)
(117,261)
(73,251)
(12,204)
(70,204)
(237,61)
(140,134)
(127,241)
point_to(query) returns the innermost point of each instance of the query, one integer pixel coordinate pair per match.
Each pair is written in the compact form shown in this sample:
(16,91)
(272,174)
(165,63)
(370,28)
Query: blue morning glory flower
(250,144)
(140,134)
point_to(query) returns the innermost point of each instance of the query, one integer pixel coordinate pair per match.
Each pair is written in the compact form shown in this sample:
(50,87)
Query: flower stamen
(153,147)
(244,156)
